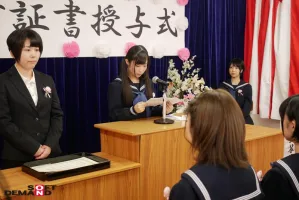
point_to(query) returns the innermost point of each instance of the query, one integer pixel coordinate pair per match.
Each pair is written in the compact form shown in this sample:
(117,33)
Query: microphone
(164,84)
(156,80)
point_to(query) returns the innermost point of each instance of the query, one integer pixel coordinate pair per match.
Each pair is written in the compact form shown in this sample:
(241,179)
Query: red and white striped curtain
(271,53)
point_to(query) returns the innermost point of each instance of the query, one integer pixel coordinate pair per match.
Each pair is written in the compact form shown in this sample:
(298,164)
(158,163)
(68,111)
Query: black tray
(102,164)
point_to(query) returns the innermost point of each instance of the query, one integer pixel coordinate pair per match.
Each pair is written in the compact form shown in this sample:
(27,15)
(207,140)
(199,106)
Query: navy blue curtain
(215,35)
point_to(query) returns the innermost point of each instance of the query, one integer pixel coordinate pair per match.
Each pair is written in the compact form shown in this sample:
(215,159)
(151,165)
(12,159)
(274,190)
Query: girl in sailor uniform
(215,129)
(128,93)
(239,89)
(281,182)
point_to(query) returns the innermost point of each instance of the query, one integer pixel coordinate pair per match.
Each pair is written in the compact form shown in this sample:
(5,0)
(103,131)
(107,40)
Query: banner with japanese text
(110,23)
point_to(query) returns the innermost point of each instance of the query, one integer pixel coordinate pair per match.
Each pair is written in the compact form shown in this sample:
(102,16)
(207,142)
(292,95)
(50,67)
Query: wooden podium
(164,154)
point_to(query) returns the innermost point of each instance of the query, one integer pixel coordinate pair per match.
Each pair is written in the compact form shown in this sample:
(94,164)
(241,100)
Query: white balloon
(182,23)
(102,50)
(157,1)
(158,51)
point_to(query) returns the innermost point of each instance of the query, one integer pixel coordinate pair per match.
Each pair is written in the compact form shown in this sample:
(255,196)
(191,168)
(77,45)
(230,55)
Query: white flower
(185,81)
(197,92)
(202,87)
(199,82)
(194,79)
(177,92)
(184,88)
(207,88)
(202,81)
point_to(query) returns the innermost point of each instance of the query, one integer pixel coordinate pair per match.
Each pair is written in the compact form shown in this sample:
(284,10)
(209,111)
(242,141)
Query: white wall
(265,122)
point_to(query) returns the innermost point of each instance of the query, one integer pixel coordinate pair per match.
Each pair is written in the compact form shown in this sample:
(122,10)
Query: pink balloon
(182,2)
(184,54)
(71,49)
(128,46)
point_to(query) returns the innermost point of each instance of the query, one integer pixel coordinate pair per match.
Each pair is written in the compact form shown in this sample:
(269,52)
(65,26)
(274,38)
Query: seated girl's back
(215,128)
(281,182)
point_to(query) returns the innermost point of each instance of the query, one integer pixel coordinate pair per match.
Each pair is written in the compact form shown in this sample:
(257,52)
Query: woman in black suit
(30,112)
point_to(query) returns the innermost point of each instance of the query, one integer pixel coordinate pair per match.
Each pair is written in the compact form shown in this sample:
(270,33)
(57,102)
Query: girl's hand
(169,107)
(140,107)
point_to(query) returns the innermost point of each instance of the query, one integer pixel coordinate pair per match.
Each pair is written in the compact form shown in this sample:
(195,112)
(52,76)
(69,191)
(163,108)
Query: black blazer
(23,125)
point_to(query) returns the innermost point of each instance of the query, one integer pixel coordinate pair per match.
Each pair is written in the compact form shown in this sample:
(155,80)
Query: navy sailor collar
(134,88)
(229,84)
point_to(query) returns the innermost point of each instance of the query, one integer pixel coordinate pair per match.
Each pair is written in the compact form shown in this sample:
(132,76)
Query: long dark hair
(138,54)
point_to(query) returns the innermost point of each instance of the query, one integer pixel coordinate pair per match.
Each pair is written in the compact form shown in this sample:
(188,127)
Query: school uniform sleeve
(221,86)
(276,186)
(182,191)
(247,106)
(56,121)
(117,112)
(10,131)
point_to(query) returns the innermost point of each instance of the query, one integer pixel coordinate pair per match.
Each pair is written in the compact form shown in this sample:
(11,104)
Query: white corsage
(259,175)
(47,91)
(166,192)
(240,92)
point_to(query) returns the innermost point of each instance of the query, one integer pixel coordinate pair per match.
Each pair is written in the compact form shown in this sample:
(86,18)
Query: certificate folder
(53,168)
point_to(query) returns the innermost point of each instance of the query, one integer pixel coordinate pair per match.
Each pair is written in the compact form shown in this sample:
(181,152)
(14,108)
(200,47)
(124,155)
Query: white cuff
(132,111)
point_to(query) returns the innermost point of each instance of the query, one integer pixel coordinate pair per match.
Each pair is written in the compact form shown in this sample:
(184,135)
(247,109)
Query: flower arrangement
(185,84)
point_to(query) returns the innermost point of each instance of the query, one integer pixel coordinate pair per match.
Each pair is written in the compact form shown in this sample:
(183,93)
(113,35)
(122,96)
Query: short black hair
(15,41)
(238,63)
(290,108)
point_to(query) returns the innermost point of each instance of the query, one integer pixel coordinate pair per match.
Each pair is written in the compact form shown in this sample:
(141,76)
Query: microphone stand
(164,120)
